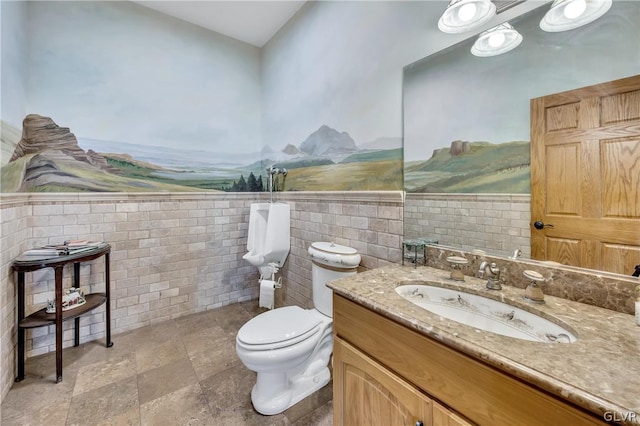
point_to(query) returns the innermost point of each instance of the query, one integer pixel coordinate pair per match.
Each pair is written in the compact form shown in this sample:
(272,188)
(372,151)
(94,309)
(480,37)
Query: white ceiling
(251,21)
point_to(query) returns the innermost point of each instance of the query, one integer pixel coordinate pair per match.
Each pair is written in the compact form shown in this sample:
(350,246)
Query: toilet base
(298,388)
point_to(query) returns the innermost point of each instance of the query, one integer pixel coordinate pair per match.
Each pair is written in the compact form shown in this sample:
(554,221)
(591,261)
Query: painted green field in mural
(75,176)
(11,176)
(484,167)
(365,176)
(137,171)
(383,155)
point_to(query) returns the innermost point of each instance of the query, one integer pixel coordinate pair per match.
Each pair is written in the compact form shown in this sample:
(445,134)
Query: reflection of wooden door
(585,176)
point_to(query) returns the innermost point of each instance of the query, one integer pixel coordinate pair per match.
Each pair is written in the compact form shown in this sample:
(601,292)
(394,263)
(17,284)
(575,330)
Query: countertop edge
(563,390)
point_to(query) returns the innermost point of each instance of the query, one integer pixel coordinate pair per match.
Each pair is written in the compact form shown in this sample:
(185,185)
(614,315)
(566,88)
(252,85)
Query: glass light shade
(574,9)
(496,41)
(465,15)
(569,14)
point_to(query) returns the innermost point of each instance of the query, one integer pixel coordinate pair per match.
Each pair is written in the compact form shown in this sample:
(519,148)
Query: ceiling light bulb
(467,12)
(465,15)
(569,14)
(496,40)
(575,9)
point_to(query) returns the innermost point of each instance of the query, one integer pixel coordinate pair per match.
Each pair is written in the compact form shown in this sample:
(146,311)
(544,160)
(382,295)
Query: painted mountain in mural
(472,167)
(324,146)
(330,160)
(48,159)
(327,146)
(328,142)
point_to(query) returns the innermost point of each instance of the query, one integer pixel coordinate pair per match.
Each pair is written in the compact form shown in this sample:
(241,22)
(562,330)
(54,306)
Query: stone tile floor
(179,372)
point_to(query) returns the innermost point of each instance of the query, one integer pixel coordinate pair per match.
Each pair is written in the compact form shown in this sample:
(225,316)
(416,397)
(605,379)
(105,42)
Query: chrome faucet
(492,273)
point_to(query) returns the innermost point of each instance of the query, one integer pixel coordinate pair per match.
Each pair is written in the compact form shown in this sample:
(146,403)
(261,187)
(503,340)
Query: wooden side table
(41,318)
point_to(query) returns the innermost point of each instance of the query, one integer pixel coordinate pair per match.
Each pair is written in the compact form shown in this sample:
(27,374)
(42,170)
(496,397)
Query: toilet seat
(279,328)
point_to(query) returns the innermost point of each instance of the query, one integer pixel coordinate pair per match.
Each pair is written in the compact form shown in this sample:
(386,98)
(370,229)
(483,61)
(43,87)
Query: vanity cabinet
(442,416)
(370,394)
(387,373)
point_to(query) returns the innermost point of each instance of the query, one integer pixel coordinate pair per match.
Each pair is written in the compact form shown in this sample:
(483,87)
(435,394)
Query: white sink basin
(485,314)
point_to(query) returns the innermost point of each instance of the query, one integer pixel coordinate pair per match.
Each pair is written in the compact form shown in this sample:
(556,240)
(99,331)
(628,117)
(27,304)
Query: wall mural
(466,119)
(124,99)
(49,158)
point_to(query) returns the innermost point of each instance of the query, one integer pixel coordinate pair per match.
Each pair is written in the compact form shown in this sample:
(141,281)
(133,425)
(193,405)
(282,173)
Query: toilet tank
(330,262)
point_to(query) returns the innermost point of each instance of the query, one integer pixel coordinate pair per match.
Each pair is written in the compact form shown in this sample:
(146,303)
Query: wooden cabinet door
(366,393)
(442,416)
(585,176)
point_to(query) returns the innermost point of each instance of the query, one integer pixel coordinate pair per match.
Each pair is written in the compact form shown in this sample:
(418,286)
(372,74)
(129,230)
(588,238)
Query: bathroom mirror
(486,103)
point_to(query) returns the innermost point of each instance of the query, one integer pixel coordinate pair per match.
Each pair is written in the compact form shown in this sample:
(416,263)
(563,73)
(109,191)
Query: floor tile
(103,403)
(247,416)
(310,403)
(186,406)
(35,401)
(179,372)
(210,363)
(229,389)
(150,357)
(322,416)
(105,372)
(160,381)
(206,339)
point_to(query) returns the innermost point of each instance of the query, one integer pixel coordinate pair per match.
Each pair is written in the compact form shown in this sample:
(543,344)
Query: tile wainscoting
(497,223)
(175,254)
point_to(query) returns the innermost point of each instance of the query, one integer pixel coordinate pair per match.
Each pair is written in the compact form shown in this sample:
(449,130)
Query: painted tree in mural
(253,184)
(250,185)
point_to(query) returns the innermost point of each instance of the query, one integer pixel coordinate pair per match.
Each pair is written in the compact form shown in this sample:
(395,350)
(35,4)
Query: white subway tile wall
(497,223)
(14,234)
(175,254)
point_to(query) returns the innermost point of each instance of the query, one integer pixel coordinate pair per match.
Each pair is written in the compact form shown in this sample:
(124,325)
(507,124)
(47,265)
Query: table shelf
(41,318)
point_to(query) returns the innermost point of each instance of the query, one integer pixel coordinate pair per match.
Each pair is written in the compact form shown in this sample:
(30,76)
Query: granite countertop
(599,372)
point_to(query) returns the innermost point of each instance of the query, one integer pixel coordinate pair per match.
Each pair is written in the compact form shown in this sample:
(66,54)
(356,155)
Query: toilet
(290,347)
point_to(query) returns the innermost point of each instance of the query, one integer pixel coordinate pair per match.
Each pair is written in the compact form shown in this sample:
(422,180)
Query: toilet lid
(333,248)
(279,325)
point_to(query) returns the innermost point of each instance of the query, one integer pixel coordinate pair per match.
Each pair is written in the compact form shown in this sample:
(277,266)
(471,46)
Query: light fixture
(569,14)
(496,41)
(465,15)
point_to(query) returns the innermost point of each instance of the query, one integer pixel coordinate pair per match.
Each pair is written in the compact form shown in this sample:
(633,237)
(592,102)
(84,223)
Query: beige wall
(176,254)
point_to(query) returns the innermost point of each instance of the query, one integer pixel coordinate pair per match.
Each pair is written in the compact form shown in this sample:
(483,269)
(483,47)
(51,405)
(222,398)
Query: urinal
(268,239)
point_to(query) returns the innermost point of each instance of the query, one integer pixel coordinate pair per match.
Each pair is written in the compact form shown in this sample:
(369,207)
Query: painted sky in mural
(340,64)
(144,90)
(118,72)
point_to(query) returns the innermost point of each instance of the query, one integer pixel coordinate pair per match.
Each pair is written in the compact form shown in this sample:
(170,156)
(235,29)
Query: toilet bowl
(290,347)
(279,345)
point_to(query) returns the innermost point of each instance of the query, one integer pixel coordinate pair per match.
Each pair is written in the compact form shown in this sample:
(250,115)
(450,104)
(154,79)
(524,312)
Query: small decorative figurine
(72,299)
